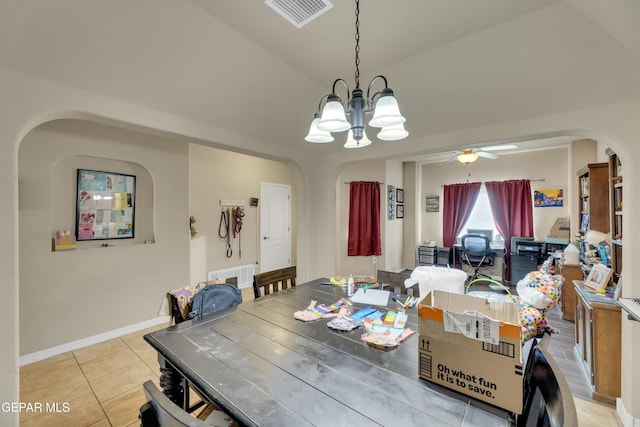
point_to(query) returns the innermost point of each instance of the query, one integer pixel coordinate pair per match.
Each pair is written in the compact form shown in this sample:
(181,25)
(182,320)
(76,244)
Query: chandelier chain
(357,73)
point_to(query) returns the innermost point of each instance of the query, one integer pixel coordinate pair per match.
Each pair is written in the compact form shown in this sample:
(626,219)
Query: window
(481,219)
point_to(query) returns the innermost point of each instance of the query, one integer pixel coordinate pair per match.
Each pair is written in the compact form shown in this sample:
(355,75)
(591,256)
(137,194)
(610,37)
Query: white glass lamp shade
(333,117)
(387,112)
(316,135)
(352,143)
(393,133)
(468,157)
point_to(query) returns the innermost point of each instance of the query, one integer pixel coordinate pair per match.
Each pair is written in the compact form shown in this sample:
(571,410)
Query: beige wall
(216,174)
(550,165)
(67,296)
(121,285)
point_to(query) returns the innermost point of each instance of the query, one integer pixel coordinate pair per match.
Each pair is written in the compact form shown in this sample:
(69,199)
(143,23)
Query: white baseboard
(84,342)
(626,418)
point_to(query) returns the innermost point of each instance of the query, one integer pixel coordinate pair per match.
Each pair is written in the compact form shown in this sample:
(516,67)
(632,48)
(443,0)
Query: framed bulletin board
(105,205)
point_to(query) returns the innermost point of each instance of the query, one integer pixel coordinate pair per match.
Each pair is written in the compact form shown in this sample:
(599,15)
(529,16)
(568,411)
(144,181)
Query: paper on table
(371,296)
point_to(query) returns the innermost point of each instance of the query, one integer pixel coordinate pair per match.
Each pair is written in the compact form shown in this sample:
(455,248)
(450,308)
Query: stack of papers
(371,297)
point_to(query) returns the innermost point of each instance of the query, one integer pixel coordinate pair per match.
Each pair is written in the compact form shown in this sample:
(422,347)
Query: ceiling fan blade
(453,159)
(500,147)
(487,155)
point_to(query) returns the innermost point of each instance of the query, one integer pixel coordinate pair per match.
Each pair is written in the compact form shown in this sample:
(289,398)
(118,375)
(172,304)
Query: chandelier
(333,117)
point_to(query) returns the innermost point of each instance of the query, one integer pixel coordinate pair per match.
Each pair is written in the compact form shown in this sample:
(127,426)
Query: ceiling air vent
(299,12)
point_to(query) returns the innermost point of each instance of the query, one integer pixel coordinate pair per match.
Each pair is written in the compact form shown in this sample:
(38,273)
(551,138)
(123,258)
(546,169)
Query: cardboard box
(486,361)
(560,229)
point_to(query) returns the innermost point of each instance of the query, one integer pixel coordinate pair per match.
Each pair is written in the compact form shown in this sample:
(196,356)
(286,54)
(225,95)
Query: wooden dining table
(263,367)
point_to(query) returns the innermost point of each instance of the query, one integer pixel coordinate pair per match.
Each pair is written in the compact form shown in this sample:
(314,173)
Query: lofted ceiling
(238,65)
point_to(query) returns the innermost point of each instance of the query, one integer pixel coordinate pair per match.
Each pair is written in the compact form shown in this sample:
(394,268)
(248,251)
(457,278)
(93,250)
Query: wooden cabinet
(615,203)
(593,183)
(570,272)
(597,342)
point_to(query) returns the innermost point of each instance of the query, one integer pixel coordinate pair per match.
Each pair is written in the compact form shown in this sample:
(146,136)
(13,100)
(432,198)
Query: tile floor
(102,385)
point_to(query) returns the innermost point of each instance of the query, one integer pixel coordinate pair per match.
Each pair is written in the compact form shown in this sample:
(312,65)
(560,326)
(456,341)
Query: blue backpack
(214,298)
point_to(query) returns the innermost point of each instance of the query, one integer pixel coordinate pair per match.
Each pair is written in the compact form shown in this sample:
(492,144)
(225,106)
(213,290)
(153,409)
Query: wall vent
(244,273)
(299,12)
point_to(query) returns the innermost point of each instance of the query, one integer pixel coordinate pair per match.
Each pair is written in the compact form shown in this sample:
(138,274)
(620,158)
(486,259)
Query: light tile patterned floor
(102,385)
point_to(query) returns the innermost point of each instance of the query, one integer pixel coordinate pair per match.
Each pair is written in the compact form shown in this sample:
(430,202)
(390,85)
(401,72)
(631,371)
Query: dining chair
(179,300)
(395,281)
(476,252)
(273,281)
(547,398)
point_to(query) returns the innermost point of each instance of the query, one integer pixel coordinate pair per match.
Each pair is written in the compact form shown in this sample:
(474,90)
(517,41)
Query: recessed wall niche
(64,193)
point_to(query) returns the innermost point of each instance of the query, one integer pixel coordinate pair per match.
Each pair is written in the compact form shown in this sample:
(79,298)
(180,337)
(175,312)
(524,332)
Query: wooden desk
(265,368)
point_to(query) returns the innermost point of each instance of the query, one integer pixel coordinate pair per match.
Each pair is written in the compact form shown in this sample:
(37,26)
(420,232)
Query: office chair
(273,281)
(476,252)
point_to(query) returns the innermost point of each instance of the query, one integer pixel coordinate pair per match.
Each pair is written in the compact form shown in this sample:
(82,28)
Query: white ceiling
(238,65)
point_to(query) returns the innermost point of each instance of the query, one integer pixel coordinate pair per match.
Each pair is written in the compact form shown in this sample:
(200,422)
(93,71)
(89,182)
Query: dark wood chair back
(547,398)
(273,281)
(395,282)
(174,309)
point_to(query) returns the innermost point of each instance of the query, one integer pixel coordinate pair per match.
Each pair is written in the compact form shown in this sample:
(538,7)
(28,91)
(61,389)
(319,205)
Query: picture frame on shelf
(598,277)
(584,222)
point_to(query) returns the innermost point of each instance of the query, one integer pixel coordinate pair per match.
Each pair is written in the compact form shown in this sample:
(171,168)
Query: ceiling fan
(470,155)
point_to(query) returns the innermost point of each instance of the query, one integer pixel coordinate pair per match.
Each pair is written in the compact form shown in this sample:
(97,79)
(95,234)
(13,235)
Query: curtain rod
(482,182)
(349,182)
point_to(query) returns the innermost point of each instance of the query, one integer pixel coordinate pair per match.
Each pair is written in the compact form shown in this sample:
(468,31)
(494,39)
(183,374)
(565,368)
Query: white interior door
(275,226)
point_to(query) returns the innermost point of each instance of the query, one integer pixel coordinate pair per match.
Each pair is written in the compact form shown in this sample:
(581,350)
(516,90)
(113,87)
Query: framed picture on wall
(433,203)
(399,195)
(391,202)
(105,207)
(399,211)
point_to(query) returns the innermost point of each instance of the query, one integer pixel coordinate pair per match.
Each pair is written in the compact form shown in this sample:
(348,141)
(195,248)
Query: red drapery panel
(364,219)
(458,202)
(512,208)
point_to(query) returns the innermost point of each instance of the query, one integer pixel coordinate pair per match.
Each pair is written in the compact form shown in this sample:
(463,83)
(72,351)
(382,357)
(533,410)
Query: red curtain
(458,202)
(364,219)
(512,208)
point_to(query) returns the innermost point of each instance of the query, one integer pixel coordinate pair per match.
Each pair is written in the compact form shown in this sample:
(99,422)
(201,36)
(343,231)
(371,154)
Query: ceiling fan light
(316,135)
(387,112)
(333,117)
(467,158)
(352,143)
(393,133)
